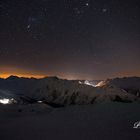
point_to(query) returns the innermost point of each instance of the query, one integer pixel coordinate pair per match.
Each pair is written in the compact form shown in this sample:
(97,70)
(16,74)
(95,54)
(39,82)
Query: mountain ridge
(53,90)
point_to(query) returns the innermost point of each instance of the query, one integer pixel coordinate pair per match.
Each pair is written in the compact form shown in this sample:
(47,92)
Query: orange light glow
(21,75)
(6,71)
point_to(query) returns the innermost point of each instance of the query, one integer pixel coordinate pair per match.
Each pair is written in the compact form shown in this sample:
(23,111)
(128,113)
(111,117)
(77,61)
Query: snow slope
(106,121)
(129,84)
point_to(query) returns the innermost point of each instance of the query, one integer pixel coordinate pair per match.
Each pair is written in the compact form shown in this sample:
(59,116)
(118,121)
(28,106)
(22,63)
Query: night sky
(73,39)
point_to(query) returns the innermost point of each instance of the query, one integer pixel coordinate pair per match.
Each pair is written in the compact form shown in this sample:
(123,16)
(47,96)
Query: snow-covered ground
(57,109)
(105,121)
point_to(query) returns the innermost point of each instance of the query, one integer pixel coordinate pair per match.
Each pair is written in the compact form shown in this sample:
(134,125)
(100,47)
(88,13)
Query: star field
(74,39)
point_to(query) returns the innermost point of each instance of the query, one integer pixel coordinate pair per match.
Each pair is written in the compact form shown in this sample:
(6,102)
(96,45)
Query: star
(104,10)
(77,11)
(87,4)
(28,26)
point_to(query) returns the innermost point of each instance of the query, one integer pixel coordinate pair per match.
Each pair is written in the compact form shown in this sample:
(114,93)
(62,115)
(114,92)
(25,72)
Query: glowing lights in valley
(100,84)
(80,82)
(93,84)
(39,101)
(86,82)
(6,101)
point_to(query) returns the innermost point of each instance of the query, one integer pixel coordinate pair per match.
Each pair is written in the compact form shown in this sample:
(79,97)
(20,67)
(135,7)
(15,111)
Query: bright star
(87,4)
(28,26)
(104,10)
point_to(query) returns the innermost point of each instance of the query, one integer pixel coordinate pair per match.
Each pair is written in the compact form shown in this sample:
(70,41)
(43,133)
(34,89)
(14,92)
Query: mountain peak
(12,77)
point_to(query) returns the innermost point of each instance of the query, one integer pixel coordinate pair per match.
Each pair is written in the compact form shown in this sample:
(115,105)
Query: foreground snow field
(104,121)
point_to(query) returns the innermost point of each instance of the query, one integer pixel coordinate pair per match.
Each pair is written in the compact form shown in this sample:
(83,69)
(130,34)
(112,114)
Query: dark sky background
(74,39)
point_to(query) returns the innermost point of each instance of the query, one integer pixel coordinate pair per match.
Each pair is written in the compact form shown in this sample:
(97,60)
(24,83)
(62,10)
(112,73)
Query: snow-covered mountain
(59,92)
(129,84)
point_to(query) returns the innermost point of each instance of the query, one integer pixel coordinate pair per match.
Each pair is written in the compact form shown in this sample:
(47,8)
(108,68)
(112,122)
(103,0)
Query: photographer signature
(136,125)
